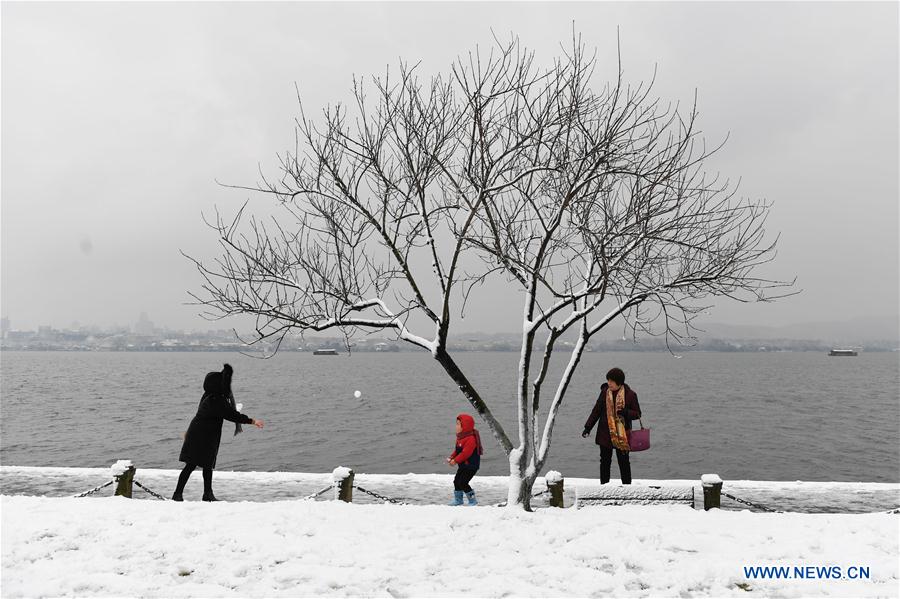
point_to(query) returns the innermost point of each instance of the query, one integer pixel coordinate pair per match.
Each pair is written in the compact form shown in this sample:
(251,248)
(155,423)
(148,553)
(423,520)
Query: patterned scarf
(617,433)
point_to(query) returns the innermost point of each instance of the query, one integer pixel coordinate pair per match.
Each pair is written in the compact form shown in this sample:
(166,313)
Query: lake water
(763,416)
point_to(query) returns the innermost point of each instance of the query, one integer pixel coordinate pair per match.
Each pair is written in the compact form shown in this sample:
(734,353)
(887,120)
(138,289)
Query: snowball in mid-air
(357,394)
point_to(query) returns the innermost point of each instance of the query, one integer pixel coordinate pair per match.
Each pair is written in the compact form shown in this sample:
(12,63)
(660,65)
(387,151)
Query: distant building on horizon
(144,326)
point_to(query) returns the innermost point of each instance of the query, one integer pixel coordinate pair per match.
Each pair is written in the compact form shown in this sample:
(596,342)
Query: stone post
(712,491)
(343,484)
(555,485)
(123,471)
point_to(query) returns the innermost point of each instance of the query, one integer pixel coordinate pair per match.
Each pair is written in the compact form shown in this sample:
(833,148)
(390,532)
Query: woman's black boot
(182,481)
(207,485)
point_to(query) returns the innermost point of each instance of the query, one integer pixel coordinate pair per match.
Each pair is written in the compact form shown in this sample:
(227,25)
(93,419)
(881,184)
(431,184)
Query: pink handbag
(639,440)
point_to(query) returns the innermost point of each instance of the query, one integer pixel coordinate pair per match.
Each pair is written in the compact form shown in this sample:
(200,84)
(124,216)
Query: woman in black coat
(201,443)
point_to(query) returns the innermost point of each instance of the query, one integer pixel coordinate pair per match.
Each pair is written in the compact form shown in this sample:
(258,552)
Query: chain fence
(770,510)
(155,494)
(317,493)
(381,497)
(95,489)
(395,501)
(750,503)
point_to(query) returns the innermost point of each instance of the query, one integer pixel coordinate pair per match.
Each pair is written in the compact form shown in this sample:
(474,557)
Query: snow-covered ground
(112,546)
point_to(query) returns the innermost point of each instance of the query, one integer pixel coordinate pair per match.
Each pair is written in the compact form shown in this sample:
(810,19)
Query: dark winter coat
(201,444)
(467,454)
(631,412)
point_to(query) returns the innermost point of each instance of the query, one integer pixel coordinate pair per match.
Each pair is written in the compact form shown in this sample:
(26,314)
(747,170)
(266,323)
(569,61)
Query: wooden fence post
(554,482)
(343,484)
(123,471)
(712,491)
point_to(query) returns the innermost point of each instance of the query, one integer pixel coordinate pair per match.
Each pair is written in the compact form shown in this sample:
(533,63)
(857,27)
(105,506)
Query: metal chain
(157,495)
(95,489)
(317,493)
(381,497)
(750,503)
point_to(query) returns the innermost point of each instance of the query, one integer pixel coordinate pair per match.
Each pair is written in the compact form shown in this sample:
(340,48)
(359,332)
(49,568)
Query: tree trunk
(474,399)
(521,481)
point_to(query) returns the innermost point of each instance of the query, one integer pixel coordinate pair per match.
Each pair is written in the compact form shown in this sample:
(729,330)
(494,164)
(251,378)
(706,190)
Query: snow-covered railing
(343,487)
(617,495)
(627,494)
(603,495)
(123,476)
(123,472)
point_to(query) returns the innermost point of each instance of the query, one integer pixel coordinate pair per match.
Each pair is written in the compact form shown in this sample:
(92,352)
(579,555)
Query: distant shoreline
(747,350)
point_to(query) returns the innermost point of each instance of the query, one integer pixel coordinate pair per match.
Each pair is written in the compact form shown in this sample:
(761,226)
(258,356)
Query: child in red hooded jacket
(467,456)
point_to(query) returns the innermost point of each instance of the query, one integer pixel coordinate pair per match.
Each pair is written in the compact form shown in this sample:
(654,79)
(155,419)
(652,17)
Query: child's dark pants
(462,478)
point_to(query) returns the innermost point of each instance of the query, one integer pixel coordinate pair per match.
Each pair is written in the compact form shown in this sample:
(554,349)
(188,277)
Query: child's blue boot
(471,497)
(457,498)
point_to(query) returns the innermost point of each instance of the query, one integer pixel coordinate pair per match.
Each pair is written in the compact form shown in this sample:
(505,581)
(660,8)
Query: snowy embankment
(118,547)
(429,489)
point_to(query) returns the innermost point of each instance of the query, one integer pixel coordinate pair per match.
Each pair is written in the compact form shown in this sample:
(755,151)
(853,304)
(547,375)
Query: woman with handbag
(616,407)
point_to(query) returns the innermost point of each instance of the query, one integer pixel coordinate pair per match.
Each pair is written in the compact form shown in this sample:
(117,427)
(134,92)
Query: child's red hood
(467,422)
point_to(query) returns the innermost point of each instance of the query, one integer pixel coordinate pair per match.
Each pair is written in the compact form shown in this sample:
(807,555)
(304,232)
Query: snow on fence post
(712,491)
(343,484)
(554,482)
(123,471)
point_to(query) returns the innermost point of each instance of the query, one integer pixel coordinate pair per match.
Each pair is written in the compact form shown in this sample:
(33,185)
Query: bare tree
(593,204)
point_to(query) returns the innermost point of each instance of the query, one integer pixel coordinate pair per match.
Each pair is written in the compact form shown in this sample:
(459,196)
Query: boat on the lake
(325,352)
(843,352)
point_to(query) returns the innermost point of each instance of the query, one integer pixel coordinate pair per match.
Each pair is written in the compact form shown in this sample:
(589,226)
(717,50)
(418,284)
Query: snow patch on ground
(113,546)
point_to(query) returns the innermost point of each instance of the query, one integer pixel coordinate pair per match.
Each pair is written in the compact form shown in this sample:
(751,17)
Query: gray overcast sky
(118,118)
